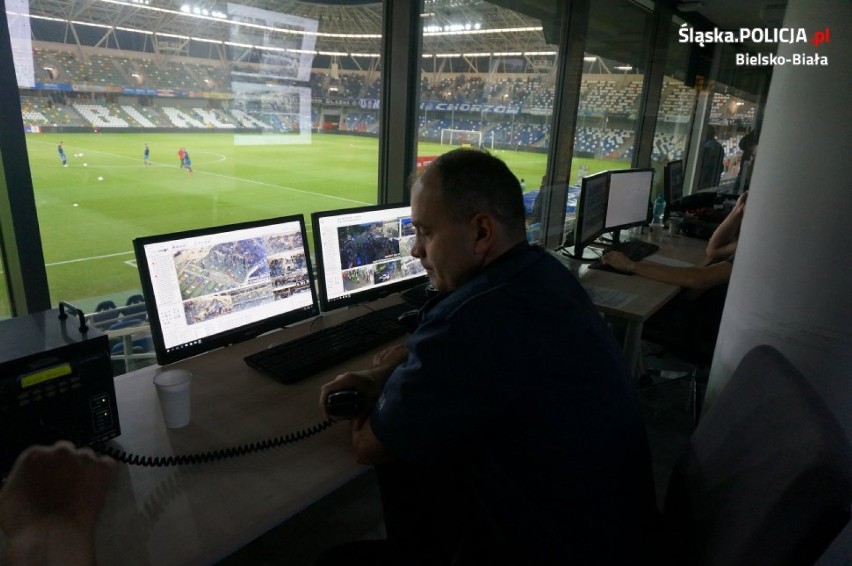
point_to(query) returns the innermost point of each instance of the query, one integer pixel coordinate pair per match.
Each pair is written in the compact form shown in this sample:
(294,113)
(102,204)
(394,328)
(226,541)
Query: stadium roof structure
(344,27)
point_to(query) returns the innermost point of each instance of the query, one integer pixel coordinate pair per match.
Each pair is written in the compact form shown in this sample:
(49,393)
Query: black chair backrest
(767,478)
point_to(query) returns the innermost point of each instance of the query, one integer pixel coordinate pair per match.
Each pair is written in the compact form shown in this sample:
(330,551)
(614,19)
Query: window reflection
(277,109)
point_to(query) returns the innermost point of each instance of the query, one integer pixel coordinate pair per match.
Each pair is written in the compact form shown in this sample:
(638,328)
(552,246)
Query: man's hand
(362,381)
(50,504)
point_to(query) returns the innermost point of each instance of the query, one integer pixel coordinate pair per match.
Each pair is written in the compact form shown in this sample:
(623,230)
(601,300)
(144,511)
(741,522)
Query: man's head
(467,209)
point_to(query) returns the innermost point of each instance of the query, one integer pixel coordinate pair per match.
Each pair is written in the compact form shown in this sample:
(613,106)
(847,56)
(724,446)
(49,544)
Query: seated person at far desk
(689,325)
(722,245)
(508,429)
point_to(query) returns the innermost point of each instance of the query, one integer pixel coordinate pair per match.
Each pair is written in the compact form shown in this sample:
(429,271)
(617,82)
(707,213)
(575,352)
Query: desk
(202,513)
(634,299)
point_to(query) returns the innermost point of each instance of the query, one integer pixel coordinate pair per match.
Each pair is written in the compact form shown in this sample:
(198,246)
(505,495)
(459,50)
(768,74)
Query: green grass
(87,226)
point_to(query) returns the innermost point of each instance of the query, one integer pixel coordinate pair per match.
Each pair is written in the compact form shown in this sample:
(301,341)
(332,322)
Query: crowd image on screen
(358,278)
(387,271)
(289,274)
(235,276)
(365,244)
(410,266)
(405,245)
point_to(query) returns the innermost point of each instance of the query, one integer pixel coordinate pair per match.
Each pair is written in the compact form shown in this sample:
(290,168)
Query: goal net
(461,137)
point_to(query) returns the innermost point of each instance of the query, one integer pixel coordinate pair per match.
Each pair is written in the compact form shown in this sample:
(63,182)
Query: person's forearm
(723,241)
(687,277)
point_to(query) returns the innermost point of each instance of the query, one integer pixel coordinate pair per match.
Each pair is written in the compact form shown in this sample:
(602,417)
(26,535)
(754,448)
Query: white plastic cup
(173,389)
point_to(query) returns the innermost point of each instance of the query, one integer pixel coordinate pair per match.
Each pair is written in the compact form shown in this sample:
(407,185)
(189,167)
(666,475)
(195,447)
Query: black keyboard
(634,249)
(307,355)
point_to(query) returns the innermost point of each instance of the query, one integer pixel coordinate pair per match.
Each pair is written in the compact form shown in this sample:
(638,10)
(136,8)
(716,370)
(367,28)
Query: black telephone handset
(345,404)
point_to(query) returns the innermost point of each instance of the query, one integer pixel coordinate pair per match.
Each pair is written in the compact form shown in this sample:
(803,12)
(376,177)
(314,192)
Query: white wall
(792,280)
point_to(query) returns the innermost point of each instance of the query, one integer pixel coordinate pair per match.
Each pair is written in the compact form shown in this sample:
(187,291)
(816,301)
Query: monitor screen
(364,253)
(590,216)
(216,286)
(673,183)
(629,198)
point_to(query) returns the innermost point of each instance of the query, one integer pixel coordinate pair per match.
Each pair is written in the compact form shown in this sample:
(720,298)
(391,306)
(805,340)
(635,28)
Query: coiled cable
(211,456)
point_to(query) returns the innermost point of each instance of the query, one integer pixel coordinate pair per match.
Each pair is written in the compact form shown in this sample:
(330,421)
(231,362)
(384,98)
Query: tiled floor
(354,511)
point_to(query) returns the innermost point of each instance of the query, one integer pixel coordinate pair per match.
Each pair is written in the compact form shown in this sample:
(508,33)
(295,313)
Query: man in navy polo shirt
(508,430)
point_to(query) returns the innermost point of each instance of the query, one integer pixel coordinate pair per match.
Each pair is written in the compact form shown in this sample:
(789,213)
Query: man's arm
(699,278)
(723,241)
(369,382)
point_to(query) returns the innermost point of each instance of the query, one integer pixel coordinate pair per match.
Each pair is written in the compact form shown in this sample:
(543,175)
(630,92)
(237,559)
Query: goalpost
(461,137)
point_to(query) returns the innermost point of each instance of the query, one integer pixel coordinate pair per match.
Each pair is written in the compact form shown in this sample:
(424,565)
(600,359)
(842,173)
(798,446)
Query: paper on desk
(602,296)
(661,259)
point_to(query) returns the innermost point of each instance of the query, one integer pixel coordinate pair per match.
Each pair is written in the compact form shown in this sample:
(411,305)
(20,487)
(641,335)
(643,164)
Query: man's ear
(484,227)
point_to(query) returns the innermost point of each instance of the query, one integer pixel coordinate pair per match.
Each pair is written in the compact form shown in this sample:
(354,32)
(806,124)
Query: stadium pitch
(90,212)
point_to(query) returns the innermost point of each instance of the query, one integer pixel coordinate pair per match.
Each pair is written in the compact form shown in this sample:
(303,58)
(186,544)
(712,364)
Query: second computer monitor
(364,253)
(590,219)
(629,198)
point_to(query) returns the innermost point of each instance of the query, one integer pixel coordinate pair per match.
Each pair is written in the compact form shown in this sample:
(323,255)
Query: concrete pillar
(792,280)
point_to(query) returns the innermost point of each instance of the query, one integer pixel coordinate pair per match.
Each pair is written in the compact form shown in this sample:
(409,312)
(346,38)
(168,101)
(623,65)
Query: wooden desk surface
(199,514)
(645,295)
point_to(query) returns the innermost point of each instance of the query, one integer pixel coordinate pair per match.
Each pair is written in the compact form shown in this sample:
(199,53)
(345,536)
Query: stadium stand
(609,102)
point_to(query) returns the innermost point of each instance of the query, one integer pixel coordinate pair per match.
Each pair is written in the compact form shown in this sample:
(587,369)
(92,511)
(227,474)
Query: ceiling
(735,14)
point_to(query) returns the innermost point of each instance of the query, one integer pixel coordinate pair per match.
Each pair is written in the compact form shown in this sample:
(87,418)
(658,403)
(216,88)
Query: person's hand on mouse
(619,261)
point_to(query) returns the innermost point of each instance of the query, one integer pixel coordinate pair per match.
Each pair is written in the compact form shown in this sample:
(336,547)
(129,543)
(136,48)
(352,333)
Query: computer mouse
(345,404)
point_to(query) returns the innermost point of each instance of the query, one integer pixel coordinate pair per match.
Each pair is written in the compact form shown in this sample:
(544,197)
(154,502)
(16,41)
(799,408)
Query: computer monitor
(590,214)
(212,287)
(364,254)
(629,198)
(673,184)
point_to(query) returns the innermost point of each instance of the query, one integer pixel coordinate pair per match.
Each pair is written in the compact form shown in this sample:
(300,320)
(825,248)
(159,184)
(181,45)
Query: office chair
(767,475)
(686,328)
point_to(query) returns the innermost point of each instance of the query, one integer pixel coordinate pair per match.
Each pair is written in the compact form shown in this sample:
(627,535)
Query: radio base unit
(56,383)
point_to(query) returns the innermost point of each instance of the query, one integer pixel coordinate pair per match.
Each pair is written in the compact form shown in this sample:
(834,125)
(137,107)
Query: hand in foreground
(739,207)
(619,261)
(50,504)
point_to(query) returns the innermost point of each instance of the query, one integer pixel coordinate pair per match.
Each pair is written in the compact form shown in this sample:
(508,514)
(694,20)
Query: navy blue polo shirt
(514,380)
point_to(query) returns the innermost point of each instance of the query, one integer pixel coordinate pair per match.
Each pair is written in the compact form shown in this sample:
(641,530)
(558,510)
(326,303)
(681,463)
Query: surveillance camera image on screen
(211,287)
(364,253)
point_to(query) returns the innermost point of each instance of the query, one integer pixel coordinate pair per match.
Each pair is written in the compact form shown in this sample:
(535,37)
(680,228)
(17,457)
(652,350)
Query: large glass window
(5,304)
(487,79)
(276,109)
(677,108)
(611,87)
